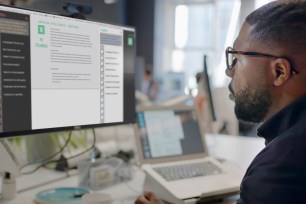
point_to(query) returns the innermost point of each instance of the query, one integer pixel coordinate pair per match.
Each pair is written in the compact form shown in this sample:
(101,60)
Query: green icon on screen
(130,41)
(41,29)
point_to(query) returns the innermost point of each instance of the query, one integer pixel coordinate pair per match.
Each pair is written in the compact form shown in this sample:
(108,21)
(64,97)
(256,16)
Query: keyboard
(184,171)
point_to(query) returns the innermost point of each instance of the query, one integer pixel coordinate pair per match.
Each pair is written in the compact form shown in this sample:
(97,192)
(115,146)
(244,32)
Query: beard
(252,104)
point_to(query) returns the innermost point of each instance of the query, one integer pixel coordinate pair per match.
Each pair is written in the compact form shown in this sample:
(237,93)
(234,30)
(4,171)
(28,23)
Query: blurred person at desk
(200,97)
(149,85)
(267,67)
(200,100)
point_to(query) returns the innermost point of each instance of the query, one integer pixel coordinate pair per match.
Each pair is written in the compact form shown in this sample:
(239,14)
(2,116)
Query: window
(187,30)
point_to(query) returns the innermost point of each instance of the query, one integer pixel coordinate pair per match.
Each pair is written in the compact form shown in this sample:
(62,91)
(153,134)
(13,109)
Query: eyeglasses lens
(231,60)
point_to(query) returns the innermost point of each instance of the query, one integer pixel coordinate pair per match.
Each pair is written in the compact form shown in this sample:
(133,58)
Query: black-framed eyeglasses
(231,58)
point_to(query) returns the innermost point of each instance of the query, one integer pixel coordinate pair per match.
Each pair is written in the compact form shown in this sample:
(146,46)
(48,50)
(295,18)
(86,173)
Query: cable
(50,157)
(54,161)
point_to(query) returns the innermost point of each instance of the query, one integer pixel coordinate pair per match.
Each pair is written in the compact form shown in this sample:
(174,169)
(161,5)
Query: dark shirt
(278,172)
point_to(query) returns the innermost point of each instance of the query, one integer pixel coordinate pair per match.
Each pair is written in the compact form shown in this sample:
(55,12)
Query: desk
(236,149)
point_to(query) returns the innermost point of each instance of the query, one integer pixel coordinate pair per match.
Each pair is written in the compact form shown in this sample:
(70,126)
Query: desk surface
(236,149)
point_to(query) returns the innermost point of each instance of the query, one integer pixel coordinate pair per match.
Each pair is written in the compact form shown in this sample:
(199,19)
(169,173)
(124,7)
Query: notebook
(173,154)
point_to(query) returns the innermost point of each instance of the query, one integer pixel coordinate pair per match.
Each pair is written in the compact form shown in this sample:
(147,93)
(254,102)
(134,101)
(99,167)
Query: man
(267,65)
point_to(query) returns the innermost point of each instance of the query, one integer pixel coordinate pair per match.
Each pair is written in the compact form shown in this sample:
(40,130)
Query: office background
(172,37)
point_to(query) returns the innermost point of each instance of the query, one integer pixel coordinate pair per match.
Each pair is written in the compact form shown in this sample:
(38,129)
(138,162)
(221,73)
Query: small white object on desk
(9,191)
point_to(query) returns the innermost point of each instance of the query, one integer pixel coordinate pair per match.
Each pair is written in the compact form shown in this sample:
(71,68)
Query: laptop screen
(166,133)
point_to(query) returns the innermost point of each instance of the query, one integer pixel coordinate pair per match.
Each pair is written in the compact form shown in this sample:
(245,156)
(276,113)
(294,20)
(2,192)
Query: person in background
(200,97)
(200,100)
(267,67)
(149,85)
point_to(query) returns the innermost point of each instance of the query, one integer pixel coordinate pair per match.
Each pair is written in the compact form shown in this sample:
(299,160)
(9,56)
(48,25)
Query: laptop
(174,156)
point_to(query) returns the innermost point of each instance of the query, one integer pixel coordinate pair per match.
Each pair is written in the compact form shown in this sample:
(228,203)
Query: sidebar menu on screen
(15,87)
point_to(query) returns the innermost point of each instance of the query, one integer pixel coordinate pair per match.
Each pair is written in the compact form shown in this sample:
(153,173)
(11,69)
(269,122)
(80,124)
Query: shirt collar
(283,120)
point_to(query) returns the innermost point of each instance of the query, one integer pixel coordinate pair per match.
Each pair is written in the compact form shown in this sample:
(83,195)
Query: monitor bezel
(208,89)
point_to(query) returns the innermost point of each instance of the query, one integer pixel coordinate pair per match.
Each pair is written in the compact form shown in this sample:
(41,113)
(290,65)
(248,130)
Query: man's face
(249,85)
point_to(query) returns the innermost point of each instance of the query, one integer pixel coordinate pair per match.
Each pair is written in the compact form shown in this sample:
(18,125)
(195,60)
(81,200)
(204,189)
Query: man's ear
(281,71)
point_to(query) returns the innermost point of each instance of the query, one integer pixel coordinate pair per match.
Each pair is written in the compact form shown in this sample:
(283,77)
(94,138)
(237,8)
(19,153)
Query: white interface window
(76,71)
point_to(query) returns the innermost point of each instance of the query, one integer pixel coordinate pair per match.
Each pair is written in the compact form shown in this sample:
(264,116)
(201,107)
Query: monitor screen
(60,73)
(166,133)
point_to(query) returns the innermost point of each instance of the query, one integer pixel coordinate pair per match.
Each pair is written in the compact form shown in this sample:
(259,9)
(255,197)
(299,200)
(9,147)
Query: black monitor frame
(128,90)
(207,88)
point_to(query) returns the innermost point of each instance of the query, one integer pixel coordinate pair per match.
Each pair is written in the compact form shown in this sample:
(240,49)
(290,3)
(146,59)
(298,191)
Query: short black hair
(281,23)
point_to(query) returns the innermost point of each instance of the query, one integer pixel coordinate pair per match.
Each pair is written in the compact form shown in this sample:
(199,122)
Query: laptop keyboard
(183,171)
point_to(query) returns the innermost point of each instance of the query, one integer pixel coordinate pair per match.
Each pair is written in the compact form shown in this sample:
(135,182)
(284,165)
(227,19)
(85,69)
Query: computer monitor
(59,73)
(172,85)
(207,89)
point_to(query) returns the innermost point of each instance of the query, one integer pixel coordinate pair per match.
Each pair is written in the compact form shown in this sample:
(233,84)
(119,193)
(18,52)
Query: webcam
(77,10)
